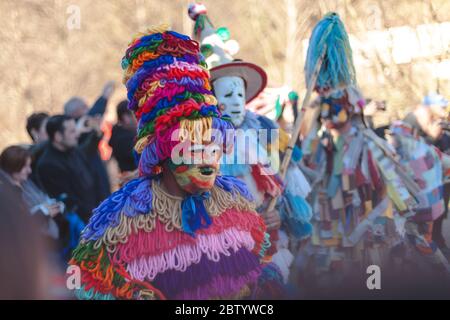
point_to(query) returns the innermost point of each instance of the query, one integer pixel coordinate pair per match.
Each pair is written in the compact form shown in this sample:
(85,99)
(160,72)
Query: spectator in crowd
(24,269)
(427,118)
(15,166)
(77,109)
(36,124)
(64,169)
(122,138)
(62,232)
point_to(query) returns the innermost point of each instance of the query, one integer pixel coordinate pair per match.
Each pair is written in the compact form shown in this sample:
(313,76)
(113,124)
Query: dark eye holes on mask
(228,95)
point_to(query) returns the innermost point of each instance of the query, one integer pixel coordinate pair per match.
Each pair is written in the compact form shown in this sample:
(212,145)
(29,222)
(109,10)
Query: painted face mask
(230,93)
(198,170)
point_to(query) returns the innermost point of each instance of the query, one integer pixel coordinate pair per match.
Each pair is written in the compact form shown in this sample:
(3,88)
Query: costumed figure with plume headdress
(362,193)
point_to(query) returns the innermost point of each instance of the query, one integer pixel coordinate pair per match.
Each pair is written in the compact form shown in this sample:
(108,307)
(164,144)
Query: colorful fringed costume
(359,186)
(426,164)
(261,155)
(358,191)
(143,242)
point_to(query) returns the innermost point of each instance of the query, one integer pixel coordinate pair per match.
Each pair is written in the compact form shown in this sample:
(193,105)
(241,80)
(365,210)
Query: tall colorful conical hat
(168,89)
(218,50)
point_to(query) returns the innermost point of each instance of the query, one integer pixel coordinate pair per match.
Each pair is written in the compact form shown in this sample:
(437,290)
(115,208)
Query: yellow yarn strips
(163,27)
(197,131)
(141,144)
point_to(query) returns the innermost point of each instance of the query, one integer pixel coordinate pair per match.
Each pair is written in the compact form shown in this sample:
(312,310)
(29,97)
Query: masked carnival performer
(180,230)
(236,83)
(359,186)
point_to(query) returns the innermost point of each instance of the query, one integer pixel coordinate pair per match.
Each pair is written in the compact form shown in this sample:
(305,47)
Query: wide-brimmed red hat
(255,77)
(219,50)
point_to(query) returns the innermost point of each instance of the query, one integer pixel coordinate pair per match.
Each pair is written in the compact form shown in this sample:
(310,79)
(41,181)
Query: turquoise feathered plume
(337,69)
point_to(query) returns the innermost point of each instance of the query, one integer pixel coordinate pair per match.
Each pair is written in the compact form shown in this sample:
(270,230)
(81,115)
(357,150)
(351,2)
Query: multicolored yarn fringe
(167,82)
(153,259)
(337,70)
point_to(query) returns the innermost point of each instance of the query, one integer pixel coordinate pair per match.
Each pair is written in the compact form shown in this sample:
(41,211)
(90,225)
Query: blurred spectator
(63,168)
(427,118)
(15,166)
(77,109)
(24,270)
(36,124)
(122,138)
(62,232)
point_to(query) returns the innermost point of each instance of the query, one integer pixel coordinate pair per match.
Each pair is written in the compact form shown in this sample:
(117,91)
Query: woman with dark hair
(62,230)
(15,166)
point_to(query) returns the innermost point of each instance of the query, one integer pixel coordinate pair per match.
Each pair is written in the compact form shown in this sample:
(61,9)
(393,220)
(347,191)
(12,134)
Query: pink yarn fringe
(159,240)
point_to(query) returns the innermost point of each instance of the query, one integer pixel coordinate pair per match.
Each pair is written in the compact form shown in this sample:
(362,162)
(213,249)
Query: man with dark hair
(122,138)
(63,168)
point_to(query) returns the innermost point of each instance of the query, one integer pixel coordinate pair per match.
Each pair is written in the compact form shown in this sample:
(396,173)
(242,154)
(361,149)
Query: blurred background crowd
(59,178)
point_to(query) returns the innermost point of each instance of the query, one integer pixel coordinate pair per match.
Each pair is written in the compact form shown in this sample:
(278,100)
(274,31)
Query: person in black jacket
(36,124)
(122,138)
(64,169)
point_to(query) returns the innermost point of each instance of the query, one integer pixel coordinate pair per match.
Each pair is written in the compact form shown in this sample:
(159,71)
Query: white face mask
(230,93)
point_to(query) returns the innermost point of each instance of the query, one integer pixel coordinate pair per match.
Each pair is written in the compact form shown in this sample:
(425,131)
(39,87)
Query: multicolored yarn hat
(219,49)
(168,89)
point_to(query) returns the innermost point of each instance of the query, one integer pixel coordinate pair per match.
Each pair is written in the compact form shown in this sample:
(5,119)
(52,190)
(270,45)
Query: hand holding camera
(89,123)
